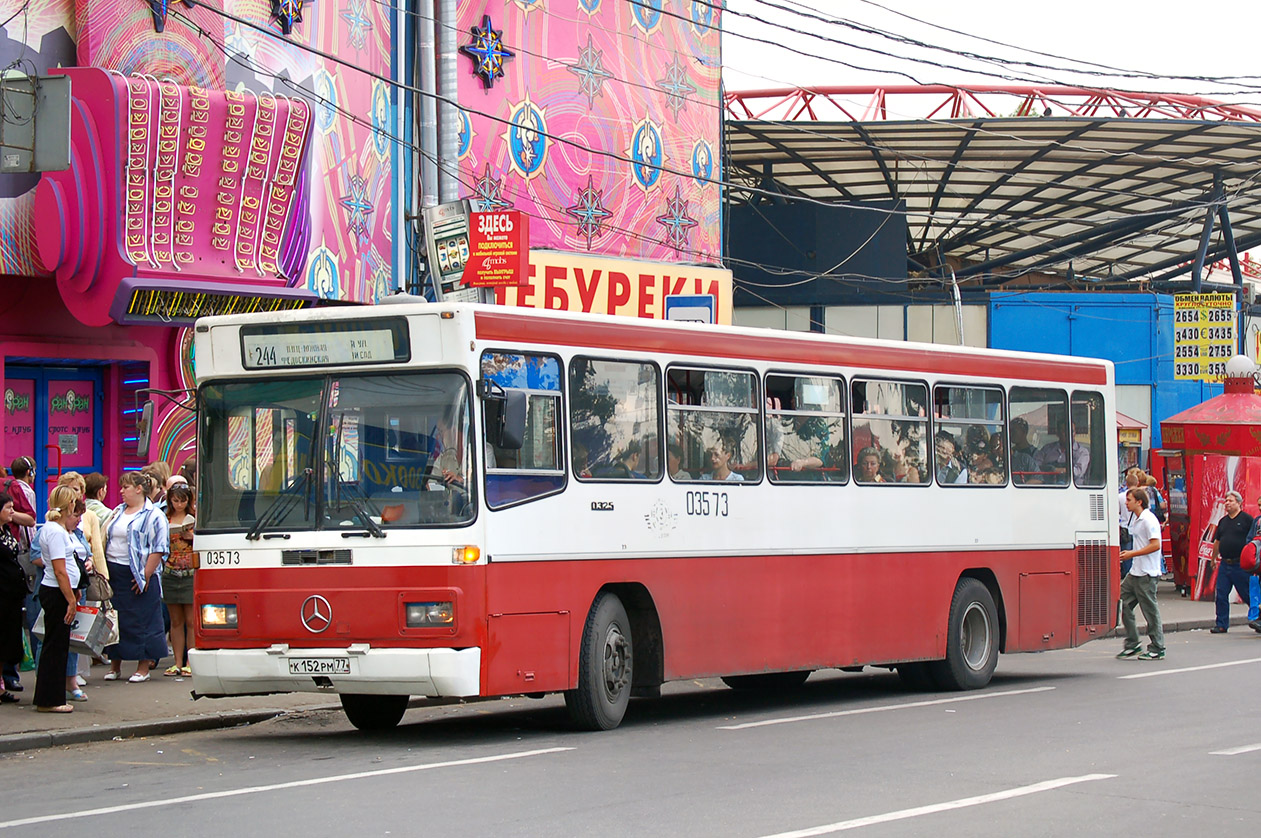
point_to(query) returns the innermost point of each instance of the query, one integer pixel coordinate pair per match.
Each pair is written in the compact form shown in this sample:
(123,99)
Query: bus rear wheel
(971,639)
(605,667)
(374,712)
(768,681)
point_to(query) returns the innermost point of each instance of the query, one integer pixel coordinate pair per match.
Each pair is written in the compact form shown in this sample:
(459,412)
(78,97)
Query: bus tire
(374,712)
(605,667)
(971,639)
(917,676)
(768,681)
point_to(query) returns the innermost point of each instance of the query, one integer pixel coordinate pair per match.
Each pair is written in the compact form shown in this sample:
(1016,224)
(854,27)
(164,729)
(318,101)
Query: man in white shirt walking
(1139,585)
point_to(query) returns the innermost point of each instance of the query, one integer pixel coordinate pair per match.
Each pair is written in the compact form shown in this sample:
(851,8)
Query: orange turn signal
(468,554)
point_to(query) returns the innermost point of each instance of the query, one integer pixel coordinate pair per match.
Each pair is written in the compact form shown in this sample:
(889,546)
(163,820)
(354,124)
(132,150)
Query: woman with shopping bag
(65,558)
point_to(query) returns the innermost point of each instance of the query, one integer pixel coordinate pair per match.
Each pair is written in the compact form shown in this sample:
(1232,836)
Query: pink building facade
(217,165)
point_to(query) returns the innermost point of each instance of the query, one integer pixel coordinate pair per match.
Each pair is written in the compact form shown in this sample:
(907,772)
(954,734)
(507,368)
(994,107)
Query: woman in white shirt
(62,552)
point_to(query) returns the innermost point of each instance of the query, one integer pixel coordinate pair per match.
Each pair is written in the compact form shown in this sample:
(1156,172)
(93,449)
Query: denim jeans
(1230,576)
(1141,591)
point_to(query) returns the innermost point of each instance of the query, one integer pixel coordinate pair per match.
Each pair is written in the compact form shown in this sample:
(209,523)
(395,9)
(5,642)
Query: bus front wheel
(605,667)
(374,712)
(971,640)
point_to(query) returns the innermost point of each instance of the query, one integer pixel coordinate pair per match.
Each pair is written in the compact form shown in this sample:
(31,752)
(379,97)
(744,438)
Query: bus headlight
(422,614)
(218,616)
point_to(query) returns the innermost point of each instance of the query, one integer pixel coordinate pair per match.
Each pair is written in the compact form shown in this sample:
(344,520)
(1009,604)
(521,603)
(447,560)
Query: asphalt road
(1060,743)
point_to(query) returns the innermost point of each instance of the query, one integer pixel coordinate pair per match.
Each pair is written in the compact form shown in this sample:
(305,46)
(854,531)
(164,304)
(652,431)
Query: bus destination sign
(322,349)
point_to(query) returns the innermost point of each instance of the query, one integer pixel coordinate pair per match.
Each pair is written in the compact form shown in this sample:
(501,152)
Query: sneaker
(77,695)
(1150,655)
(1255,625)
(1129,652)
(1217,630)
(81,681)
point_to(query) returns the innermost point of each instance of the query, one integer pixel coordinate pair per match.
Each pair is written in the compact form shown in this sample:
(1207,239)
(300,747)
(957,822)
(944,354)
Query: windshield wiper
(363,508)
(333,468)
(287,501)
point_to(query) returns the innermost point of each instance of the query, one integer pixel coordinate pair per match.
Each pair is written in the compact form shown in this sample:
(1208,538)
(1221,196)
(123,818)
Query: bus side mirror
(144,428)
(505,415)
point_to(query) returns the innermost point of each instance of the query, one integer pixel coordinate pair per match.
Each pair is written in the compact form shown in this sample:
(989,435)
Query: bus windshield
(365,452)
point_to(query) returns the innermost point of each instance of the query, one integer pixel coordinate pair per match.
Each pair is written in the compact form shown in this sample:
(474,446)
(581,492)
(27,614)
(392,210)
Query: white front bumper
(428,672)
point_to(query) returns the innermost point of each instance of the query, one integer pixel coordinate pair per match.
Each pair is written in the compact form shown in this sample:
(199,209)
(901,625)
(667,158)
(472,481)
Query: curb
(126,730)
(1182,625)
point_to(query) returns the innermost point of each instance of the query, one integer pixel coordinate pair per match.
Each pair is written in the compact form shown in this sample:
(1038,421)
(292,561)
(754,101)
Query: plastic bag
(28,659)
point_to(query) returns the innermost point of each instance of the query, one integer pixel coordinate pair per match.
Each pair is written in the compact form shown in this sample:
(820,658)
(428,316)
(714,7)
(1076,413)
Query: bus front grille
(341,556)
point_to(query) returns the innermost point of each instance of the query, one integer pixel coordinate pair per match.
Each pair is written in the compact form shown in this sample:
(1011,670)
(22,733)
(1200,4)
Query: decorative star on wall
(676,86)
(590,212)
(487,51)
(590,71)
(287,13)
(358,23)
(490,191)
(358,208)
(677,222)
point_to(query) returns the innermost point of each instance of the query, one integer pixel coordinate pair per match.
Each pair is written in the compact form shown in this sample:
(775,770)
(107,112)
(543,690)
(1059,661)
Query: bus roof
(513,325)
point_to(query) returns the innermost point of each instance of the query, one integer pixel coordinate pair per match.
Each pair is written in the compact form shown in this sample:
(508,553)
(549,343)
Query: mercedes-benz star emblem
(317,614)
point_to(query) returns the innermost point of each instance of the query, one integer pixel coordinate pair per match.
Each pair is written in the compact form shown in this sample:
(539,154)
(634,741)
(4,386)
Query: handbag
(99,589)
(33,571)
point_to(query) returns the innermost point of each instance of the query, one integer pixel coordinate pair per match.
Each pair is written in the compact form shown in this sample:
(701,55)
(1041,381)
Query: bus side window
(805,429)
(969,448)
(615,419)
(1089,432)
(534,470)
(712,427)
(1039,420)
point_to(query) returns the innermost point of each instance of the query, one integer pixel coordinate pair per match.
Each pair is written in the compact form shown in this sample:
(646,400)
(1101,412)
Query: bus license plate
(319,666)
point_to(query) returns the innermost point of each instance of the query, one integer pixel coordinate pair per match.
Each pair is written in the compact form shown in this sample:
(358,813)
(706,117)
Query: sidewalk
(117,709)
(158,706)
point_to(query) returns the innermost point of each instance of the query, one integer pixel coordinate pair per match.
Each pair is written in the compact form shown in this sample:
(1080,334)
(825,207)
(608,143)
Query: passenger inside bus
(950,467)
(1051,457)
(1024,466)
(867,466)
(674,463)
(720,454)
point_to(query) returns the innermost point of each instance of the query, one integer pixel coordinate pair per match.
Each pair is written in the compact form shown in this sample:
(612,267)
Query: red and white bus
(462,500)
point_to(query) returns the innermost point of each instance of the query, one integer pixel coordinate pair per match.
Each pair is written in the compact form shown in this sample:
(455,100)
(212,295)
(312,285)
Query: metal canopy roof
(1115,196)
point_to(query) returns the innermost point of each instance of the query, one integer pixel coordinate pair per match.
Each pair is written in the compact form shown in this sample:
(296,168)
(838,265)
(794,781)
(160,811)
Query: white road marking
(314,781)
(882,708)
(949,805)
(1156,672)
(1230,752)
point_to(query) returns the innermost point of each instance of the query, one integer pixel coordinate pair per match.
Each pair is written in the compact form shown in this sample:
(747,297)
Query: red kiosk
(1208,450)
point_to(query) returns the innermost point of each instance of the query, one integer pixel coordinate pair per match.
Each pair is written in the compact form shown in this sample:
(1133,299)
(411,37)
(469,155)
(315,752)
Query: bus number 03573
(220,557)
(707,504)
